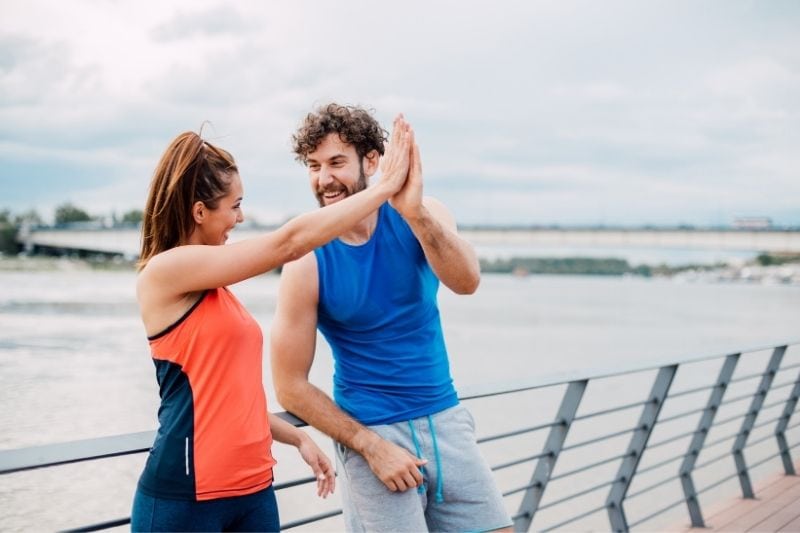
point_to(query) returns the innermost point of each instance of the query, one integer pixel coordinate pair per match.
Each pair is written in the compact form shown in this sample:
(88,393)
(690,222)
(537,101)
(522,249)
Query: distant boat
(520,272)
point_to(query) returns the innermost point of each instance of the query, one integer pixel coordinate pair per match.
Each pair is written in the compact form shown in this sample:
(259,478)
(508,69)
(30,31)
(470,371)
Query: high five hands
(408,200)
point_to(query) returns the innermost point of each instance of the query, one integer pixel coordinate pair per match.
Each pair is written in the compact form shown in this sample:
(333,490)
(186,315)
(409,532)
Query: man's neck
(362,231)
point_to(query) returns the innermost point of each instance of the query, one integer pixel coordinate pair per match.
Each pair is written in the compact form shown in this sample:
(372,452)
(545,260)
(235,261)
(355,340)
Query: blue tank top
(378,311)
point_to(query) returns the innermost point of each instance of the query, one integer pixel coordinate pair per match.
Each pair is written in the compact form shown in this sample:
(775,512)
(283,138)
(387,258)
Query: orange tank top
(214,439)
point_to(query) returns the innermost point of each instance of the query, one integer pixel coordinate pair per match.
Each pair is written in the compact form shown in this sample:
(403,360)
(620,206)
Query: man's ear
(199,212)
(371,162)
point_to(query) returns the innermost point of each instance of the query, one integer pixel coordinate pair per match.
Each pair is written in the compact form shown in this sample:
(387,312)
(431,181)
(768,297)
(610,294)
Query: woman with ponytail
(210,467)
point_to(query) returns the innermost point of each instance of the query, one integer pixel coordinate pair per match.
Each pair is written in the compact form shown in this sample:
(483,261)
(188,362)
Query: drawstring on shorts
(437,458)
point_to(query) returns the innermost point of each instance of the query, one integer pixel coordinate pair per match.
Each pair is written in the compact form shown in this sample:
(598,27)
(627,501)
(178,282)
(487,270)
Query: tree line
(66,213)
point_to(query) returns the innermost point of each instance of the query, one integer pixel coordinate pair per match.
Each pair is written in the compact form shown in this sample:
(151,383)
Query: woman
(210,467)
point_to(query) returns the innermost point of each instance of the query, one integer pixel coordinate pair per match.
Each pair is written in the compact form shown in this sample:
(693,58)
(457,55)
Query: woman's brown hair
(190,170)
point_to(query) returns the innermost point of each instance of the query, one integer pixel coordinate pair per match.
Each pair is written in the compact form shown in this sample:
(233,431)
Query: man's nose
(325,176)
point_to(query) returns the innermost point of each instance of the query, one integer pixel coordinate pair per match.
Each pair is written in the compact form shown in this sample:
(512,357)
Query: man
(406,449)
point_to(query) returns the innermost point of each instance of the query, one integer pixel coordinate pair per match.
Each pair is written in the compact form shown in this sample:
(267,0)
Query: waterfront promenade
(776,507)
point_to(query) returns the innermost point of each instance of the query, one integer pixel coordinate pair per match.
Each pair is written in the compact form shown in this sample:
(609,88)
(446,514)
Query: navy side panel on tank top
(378,311)
(169,471)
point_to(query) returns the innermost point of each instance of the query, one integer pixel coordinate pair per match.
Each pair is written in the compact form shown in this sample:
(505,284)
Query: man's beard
(359,186)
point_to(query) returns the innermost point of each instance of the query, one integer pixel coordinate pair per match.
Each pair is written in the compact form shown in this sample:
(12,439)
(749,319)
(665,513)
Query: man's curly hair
(354,125)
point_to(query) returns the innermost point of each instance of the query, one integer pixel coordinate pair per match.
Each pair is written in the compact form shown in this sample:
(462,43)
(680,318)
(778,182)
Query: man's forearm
(318,410)
(451,257)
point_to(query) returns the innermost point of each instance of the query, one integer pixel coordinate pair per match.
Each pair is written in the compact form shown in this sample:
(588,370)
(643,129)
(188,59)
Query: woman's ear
(373,159)
(198,212)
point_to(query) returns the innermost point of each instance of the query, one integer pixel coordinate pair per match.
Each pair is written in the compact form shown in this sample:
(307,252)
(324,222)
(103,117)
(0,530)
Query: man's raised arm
(451,257)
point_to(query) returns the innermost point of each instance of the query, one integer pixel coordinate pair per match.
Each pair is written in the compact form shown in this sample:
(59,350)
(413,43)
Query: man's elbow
(468,284)
(283,392)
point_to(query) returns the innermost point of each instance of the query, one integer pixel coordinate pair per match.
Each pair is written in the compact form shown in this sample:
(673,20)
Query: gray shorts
(459,492)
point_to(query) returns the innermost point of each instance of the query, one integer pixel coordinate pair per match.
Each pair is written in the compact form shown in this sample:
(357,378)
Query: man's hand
(396,467)
(408,200)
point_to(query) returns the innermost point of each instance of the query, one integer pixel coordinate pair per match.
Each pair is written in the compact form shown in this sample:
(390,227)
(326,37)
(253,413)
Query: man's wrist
(364,441)
(416,215)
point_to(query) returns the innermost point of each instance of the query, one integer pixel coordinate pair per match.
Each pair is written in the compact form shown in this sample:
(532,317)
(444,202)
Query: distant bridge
(126,241)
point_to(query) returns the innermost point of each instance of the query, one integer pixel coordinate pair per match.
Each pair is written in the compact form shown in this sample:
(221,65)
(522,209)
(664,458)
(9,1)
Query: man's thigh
(368,505)
(471,500)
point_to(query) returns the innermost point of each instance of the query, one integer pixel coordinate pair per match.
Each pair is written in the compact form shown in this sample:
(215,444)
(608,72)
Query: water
(74,362)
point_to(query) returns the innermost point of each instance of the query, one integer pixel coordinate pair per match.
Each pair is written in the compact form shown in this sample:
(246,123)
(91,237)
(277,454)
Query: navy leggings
(253,512)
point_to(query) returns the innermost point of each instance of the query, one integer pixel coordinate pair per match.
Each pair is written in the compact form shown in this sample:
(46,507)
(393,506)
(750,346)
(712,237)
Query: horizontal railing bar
(735,399)
(535,484)
(315,518)
(721,439)
(611,410)
(562,378)
(717,483)
(681,415)
(789,367)
(295,483)
(518,432)
(651,487)
(520,461)
(575,495)
(74,451)
(784,384)
(764,460)
(729,419)
(759,441)
(773,404)
(653,515)
(660,464)
(691,391)
(108,524)
(590,466)
(671,439)
(574,518)
(770,421)
(600,438)
(710,461)
(747,376)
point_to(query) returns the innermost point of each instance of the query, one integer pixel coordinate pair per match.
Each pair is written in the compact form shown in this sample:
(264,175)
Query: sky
(531,112)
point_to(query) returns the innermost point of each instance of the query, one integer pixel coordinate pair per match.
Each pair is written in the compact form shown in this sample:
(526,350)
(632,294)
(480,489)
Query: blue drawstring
(421,488)
(439,480)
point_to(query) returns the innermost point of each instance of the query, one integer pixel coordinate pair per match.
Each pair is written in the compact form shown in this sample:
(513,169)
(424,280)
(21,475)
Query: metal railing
(706,398)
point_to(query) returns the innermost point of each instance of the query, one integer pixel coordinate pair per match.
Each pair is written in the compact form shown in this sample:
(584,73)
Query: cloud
(210,22)
(620,111)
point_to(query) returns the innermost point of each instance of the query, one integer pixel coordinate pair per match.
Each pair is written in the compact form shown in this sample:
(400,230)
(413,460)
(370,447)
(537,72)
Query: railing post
(552,447)
(630,462)
(783,446)
(750,419)
(706,421)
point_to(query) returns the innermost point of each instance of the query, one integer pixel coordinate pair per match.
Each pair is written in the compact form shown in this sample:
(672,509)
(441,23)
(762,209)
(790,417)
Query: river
(74,361)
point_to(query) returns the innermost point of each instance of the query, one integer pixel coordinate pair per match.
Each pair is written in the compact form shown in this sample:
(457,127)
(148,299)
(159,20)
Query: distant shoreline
(767,268)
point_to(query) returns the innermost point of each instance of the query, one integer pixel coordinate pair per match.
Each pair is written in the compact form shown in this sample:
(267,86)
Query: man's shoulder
(306,265)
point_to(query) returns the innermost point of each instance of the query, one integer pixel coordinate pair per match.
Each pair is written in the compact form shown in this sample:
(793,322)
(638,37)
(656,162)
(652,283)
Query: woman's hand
(395,164)
(408,200)
(320,465)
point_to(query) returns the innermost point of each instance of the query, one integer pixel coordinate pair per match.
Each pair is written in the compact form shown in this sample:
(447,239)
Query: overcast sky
(526,112)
